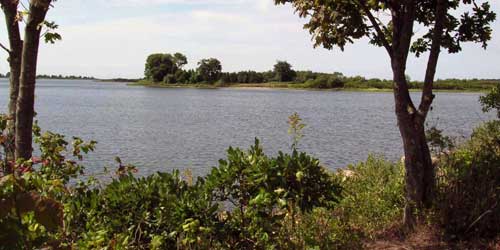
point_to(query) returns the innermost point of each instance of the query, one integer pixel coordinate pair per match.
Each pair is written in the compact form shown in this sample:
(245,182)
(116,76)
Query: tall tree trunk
(418,163)
(16,45)
(26,99)
(419,177)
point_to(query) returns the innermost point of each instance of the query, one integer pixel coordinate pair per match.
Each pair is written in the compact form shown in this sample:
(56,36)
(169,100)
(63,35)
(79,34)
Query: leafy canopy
(284,72)
(339,22)
(209,69)
(491,101)
(159,66)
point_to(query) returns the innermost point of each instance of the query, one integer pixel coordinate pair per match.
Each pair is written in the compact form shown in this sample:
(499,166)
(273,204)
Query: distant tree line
(168,69)
(70,77)
(44,76)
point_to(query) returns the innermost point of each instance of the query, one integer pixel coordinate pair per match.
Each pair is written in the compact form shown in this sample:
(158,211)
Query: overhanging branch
(377,26)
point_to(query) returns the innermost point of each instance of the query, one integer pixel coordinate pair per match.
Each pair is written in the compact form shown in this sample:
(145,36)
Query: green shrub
(263,191)
(325,82)
(161,209)
(320,229)
(491,101)
(469,181)
(32,194)
(373,194)
(241,204)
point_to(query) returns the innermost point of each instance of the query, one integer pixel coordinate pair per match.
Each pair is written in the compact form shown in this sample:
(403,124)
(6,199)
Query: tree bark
(428,96)
(26,99)
(16,45)
(418,164)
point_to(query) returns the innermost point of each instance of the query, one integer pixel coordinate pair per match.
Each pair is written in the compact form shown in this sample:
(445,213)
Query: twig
(5,48)
(481,216)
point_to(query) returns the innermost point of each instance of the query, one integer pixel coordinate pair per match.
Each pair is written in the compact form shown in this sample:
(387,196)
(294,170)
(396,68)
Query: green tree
(209,70)
(158,66)
(491,101)
(283,71)
(391,24)
(180,60)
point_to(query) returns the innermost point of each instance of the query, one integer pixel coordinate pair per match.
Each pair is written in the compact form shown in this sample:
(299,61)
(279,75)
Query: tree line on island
(169,69)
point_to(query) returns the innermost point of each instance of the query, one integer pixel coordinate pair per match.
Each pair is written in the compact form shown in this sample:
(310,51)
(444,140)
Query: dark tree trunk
(420,173)
(26,98)
(418,163)
(16,44)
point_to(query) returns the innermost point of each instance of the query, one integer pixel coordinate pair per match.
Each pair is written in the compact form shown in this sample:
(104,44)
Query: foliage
(295,129)
(325,82)
(283,72)
(491,101)
(209,70)
(161,210)
(438,142)
(337,23)
(159,66)
(469,177)
(50,36)
(172,72)
(373,194)
(264,190)
(31,209)
(320,229)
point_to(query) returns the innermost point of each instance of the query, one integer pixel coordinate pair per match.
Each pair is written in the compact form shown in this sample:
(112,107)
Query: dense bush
(373,194)
(264,190)
(469,181)
(32,192)
(161,211)
(325,82)
(239,205)
(491,101)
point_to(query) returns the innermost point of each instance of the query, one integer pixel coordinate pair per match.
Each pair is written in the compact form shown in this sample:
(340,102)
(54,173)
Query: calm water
(163,129)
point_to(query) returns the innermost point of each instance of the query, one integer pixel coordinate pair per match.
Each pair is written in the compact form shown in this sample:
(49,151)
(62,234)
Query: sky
(112,38)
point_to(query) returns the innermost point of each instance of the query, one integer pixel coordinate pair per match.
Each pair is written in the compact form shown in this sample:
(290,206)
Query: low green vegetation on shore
(449,85)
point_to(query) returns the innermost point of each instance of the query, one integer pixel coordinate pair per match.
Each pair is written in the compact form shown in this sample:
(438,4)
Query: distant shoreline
(283,86)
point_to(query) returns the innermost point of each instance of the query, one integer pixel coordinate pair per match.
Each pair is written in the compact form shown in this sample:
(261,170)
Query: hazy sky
(112,38)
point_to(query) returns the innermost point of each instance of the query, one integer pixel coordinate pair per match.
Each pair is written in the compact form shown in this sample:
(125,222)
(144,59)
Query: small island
(167,71)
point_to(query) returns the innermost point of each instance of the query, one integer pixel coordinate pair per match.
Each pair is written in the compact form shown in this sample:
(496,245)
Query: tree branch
(437,37)
(5,48)
(377,26)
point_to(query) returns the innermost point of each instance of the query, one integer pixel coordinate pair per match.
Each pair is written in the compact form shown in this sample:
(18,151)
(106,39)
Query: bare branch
(5,48)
